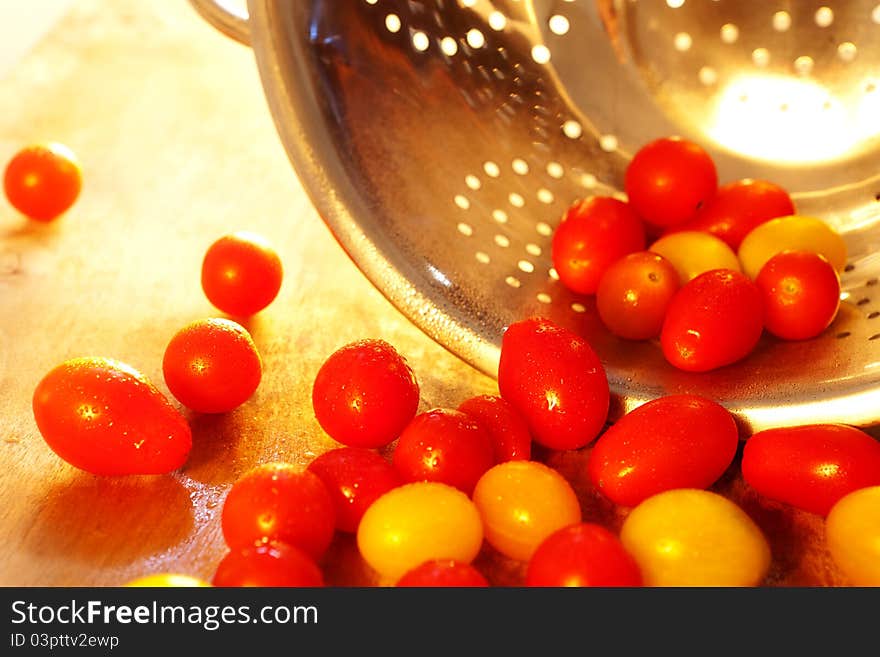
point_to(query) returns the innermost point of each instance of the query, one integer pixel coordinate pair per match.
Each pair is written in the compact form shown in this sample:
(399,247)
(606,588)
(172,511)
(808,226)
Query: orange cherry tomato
(105,417)
(43,181)
(212,366)
(521,504)
(241,274)
(634,294)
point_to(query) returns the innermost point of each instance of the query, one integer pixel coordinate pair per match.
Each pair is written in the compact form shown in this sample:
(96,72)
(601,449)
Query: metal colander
(442,141)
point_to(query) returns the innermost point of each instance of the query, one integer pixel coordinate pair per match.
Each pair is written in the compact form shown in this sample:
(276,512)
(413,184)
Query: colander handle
(226,18)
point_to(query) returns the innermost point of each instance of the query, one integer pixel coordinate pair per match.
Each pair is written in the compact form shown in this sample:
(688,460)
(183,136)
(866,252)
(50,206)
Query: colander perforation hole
(500,216)
(863,301)
(461,201)
(502,240)
(513,281)
(392,23)
(553,274)
(875,336)
(578,307)
(874,315)
(543,297)
(682,42)
(482,257)
(871,282)
(729,33)
(781,21)
(525,266)
(465,229)
(842,335)
(544,228)
(824,16)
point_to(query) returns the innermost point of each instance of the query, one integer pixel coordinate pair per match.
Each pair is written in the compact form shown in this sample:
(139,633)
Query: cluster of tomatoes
(722,264)
(460,479)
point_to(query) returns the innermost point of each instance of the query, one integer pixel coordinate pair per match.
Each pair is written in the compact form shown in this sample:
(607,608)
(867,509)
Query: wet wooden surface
(178,148)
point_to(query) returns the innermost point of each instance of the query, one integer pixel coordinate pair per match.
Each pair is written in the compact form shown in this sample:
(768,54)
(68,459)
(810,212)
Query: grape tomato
(687,537)
(105,417)
(740,206)
(419,522)
(365,394)
(269,565)
(812,466)
(355,478)
(693,253)
(583,554)
(521,504)
(591,236)
(43,181)
(801,293)
(241,273)
(556,382)
(634,294)
(508,431)
(279,502)
(443,573)
(714,320)
(676,441)
(852,530)
(446,446)
(212,365)
(794,233)
(669,180)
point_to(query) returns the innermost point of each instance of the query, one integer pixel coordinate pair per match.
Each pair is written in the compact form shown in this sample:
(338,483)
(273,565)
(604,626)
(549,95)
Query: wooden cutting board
(178,148)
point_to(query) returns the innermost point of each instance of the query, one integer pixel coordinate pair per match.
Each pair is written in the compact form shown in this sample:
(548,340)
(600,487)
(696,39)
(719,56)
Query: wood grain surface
(178,148)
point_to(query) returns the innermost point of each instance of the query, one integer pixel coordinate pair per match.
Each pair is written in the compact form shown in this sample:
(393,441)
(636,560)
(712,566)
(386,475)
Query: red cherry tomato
(241,274)
(43,181)
(801,292)
(811,467)
(556,381)
(679,441)
(212,366)
(446,446)
(105,417)
(356,477)
(668,181)
(634,293)
(582,555)
(714,320)
(270,565)
(365,394)
(508,431)
(738,207)
(279,502)
(444,573)
(592,235)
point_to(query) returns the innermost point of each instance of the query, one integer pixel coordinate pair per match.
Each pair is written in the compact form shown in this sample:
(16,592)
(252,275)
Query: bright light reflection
(813,126)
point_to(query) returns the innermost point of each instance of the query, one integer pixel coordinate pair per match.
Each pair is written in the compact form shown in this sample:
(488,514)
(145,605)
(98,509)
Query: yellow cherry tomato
(794,233)
(166,580)
(852,530)
(693,252)
(419,522)
(522,503)
(689,537)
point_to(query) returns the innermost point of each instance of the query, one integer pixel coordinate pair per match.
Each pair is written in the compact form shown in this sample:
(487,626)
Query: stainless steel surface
(442,140)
